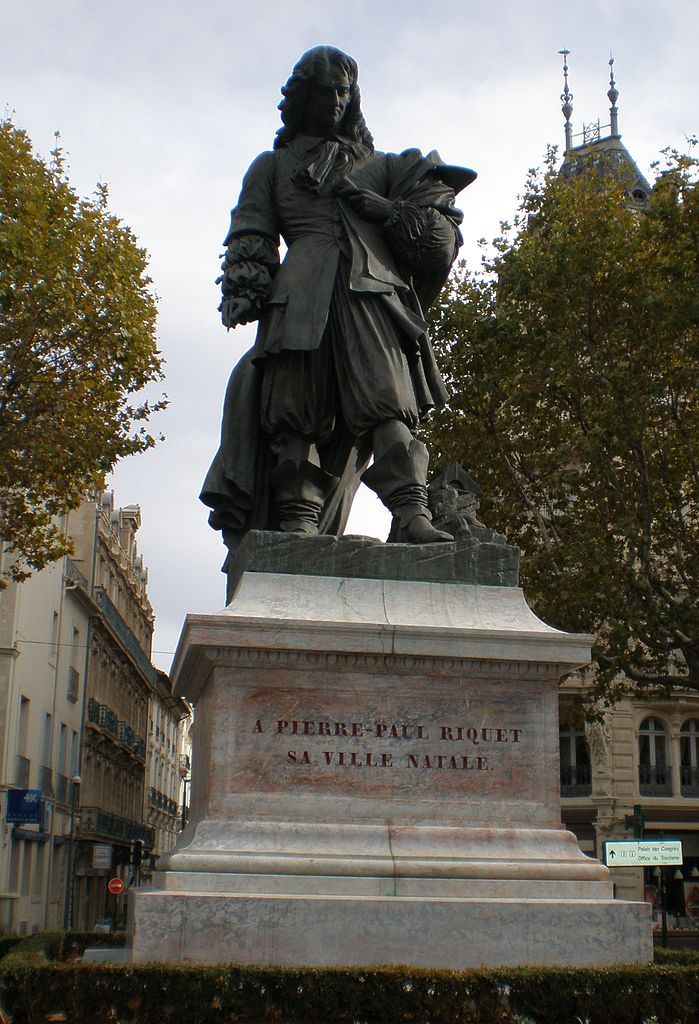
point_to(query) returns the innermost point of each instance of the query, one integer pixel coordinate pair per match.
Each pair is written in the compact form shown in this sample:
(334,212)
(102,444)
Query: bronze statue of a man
(342,365)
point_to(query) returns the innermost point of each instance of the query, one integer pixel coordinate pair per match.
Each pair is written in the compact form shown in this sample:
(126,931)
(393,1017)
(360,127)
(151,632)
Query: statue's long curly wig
(295,92)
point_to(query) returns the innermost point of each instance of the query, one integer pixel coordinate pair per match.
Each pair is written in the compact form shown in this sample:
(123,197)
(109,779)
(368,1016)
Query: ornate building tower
(600,145)
(634,771)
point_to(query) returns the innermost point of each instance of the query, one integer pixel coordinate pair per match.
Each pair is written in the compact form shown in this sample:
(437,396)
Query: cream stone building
(78,694)
(169,760)
(119,686)
(642,756)
(44,625)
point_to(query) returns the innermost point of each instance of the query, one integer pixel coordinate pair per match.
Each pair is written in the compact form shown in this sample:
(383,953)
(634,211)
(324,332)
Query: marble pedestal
(375,780)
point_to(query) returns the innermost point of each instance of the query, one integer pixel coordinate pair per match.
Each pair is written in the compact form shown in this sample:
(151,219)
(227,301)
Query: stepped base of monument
(310,893)
(376,775)
(328,931)
(366,885)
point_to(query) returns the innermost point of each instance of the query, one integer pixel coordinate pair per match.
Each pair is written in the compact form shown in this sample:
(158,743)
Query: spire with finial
(613,95)
(567,98)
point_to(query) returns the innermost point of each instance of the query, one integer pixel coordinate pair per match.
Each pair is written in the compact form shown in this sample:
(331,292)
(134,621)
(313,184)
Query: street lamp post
(185,816)
(70,874)
(663,906)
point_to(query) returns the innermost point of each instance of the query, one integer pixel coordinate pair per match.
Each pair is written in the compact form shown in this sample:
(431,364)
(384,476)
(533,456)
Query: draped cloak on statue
(347,287)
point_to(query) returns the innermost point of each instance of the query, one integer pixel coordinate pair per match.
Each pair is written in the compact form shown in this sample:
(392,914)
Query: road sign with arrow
(623,853)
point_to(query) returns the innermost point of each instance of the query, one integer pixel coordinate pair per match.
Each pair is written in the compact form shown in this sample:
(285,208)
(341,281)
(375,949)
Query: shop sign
(102,855)
(23,807)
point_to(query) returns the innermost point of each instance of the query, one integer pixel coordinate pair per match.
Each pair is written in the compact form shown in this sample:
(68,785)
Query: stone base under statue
(375,781)
(455,934)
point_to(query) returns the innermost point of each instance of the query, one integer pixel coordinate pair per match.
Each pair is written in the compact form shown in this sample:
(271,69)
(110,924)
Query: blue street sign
(23,807)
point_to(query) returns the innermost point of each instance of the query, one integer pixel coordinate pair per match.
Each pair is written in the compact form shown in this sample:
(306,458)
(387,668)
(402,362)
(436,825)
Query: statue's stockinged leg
(399,477)
(300,490)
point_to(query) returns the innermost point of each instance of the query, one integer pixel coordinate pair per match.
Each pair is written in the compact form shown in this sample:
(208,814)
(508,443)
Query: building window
(47,740)
(38,878)
(689,757)
(15,857)
(23,764)
(53,648)
(26,871)
(576,773)
(73,669)
(45,772)
(61,780)
(654,773)
(74,753)
(23,729)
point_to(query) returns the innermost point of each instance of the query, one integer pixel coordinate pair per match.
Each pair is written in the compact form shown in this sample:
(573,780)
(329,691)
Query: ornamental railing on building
(689,778)
(125,733)
(654,780)
(125,634)
(161,802)
(102,716)
(95,821)
(576,780)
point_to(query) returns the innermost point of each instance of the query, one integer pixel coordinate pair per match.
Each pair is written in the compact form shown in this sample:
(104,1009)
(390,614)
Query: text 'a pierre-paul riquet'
(470,736)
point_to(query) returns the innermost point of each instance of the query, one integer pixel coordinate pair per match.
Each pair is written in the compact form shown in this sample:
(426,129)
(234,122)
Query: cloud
(169,103)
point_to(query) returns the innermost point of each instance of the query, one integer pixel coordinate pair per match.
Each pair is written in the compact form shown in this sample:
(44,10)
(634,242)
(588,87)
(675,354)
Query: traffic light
(636,821)
(136,853)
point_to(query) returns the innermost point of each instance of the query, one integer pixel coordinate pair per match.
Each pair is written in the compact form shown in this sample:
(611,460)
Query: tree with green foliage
(77,338)
(572,359)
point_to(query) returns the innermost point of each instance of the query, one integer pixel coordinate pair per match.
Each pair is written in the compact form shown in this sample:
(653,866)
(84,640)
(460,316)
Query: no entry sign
(115,886)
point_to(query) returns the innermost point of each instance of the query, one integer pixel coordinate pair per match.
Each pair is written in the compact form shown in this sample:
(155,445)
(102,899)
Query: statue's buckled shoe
(399,478)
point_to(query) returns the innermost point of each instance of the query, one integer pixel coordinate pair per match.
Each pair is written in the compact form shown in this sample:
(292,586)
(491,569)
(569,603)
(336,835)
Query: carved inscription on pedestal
(383,738)
(434,746)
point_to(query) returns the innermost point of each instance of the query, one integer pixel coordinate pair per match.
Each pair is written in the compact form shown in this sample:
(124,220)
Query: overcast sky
(169,103)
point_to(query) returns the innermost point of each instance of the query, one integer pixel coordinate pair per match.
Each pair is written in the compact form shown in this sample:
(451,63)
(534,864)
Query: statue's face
(327,102)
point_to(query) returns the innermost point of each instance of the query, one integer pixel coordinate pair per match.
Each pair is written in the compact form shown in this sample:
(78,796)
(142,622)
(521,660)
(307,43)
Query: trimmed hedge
(677,957)
(35,992)
(8,942)
(59,945)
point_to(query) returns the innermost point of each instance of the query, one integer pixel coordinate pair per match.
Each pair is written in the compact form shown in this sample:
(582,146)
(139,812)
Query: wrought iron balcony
(654,780)
(107,719)
(95,821)
(576,780)
(125,634)
(161,802)
(689,778)
(103,716)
